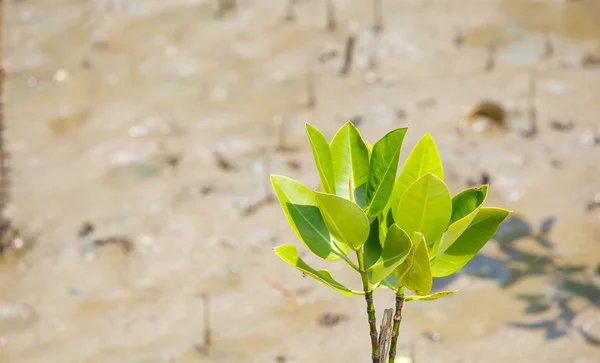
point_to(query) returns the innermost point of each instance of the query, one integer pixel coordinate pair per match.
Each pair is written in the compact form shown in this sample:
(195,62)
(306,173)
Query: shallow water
(101,95)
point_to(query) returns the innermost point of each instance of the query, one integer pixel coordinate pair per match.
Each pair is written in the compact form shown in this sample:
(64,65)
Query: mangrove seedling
(403,230)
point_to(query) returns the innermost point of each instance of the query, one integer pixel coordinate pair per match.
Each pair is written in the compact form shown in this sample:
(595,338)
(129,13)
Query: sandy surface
(101,95)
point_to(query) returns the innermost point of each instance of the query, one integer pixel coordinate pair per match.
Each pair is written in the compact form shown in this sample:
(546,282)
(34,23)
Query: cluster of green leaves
(407,226)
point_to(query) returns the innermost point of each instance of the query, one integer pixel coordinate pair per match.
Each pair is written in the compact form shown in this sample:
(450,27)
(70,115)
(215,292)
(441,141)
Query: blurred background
(139,136)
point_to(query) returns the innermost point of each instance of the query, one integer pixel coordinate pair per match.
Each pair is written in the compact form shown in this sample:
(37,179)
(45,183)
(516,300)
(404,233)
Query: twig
(207,330)
(490,63)
(266,169)
(267,197)
(377,16)
(396,327)
(225,6)
(385,334)
(289,294)
(548,45)
(459,38)
(4,183)
(223,163)
(330,14)
(531,105)
(373,61)
(348,54)
(290,11)
(311,92)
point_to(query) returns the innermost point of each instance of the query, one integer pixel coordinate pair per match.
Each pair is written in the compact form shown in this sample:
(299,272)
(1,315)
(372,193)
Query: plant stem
(396,326)
(370,306)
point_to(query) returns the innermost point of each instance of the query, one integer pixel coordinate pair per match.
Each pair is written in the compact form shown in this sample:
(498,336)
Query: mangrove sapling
(404,229)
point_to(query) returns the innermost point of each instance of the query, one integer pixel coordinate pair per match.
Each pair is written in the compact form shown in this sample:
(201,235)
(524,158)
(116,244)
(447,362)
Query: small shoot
(405,229)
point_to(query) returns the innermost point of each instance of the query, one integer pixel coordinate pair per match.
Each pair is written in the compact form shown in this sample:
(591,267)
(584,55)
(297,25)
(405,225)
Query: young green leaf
(322,155)
(403,269)
(483,227)
(395,250)
(423,159)
(345,220)
(425,207)
(350,162)
(300,207)
(382,170)
(418,279)
(289,254)
(433,296)
(372,248)
(465,206)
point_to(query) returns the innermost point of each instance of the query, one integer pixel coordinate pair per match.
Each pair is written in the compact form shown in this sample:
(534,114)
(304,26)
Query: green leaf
(390,282)
(434,296)
(418,279)
(350,158)
(372,248)
(401,271)
(465,206)
(483,227)
(345,220)
(289,254)
(395,250)
(322,155)
(382,170)
(425,207)
(423,159)
(300,207)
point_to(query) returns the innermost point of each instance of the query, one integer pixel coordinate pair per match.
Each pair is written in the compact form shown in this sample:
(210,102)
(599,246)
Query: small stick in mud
(377,16)
(373,61)
(289,294)
(267,197)
(459,38)
(330,15)
(311,91)
(281,129)
(548,45)
(531,106)
(4,183)
(223,163)
(207,331)
(290,11)
(224,7)
(490,62)
(348,54)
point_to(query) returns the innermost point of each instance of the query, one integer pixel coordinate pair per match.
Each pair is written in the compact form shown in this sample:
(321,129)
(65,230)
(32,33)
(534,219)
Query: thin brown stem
(396,326)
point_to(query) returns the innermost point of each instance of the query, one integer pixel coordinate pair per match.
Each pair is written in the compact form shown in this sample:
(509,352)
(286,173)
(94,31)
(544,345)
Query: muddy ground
(157,121)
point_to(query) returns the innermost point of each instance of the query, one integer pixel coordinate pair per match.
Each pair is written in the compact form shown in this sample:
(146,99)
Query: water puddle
(523,38)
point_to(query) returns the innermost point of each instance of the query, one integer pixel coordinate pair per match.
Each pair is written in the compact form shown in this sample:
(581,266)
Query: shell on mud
(485,115)
(65,123)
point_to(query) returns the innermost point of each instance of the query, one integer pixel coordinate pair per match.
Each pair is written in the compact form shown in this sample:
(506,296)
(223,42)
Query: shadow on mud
(564,281)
